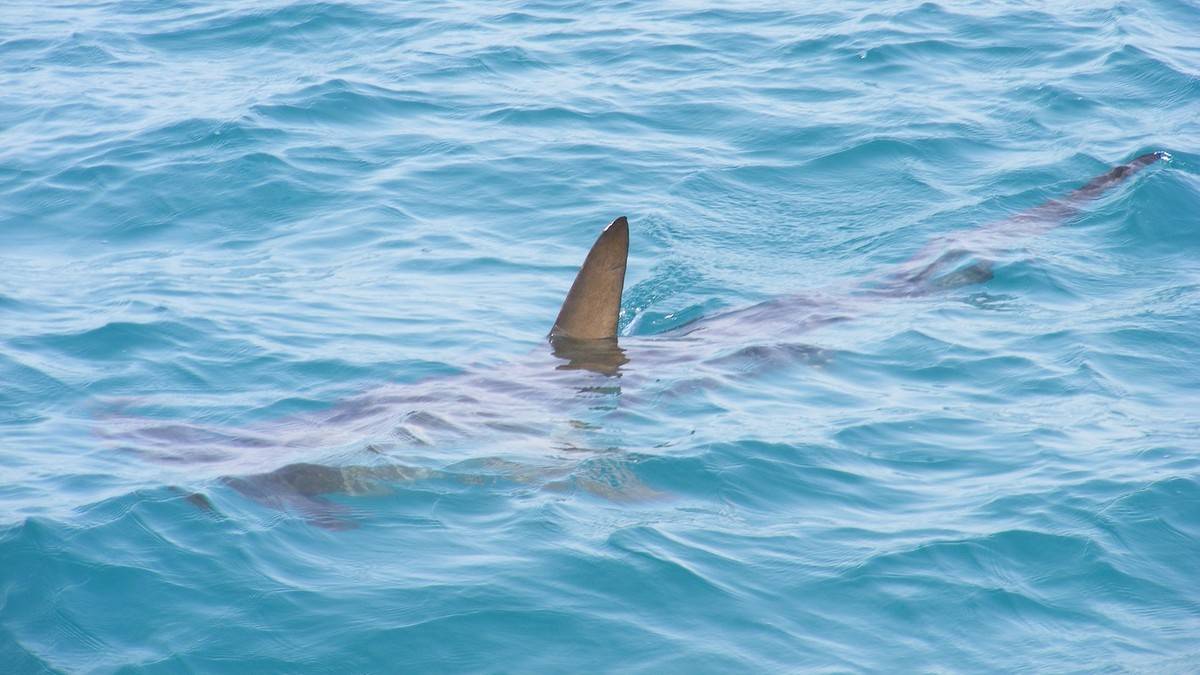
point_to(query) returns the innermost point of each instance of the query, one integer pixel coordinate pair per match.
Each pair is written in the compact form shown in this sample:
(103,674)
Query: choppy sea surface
(275,279)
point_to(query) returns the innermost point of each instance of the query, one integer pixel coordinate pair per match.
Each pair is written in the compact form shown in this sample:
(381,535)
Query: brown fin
(594,301)
(1099,184)
(1055,211)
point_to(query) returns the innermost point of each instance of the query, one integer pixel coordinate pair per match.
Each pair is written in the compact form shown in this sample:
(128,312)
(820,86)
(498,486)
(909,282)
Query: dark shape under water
(585,360)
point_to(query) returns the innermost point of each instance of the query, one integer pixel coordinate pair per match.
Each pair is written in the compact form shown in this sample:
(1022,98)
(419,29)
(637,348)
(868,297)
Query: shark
(585,331)
(405,433)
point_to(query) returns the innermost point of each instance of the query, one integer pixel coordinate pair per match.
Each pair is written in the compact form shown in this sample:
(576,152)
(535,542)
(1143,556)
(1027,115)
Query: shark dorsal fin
(594,301)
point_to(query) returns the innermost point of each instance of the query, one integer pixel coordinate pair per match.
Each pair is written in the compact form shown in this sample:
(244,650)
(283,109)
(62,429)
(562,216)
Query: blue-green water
(220,221)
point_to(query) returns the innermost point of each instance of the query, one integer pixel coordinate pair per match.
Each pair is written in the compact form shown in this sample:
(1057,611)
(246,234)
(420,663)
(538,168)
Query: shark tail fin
(594,302)
(1116,175)
(1055,211)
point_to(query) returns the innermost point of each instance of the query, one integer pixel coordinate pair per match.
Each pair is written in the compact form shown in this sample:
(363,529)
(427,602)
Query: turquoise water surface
(275,279)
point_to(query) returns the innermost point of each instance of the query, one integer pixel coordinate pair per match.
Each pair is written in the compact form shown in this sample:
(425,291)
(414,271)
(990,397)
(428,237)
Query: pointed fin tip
(619,221)
(593,305)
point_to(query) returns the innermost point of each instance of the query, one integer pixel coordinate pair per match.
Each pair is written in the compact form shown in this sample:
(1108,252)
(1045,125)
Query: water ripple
(275,278)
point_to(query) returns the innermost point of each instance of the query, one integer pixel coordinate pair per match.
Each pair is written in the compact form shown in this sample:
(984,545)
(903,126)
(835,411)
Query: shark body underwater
(406,433)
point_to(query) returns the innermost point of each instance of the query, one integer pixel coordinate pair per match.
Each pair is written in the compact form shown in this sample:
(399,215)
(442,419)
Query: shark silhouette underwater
(585,360)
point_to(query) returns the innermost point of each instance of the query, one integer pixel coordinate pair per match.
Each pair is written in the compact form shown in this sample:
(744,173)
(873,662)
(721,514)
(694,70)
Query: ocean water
(275,280)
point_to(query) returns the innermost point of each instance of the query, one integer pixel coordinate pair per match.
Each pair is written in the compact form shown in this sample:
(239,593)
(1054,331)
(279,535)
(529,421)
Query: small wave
(291,24)
(118,339)
(343,102)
